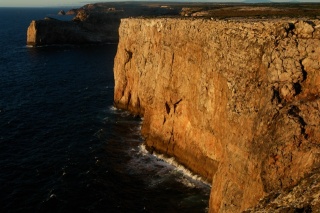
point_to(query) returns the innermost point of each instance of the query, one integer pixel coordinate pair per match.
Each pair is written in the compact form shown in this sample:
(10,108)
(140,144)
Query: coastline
(234,113)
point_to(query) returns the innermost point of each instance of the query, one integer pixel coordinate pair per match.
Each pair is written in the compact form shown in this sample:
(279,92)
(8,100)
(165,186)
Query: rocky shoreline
(235,97)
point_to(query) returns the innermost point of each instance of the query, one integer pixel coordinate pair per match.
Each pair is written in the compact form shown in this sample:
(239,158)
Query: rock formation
(235,100)
(303,197)
(98,23)
(85,28)
(94,23)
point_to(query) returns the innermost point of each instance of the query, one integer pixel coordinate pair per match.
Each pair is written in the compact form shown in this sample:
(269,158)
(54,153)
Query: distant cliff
(236,101)
(85,28)
(93,23)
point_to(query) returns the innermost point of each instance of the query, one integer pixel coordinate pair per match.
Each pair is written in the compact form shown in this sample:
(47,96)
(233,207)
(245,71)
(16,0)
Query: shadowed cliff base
(99,23)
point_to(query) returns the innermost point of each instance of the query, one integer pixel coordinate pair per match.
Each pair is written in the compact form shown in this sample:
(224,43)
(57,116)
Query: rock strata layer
(236,101)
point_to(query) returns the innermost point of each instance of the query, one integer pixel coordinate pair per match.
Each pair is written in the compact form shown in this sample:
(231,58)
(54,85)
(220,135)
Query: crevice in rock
(304,72)
(311,23)
(294,111)
(290,29)
(129,56)
(138,103)
(167,108)
(172,60)
(129,99)
(275,96)
(176,104)
(297,88)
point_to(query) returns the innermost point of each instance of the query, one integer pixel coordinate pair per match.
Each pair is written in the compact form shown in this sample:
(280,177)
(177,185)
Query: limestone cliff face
(236,101)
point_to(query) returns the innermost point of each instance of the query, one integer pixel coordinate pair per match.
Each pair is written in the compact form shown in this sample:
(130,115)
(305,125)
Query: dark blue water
(63,147)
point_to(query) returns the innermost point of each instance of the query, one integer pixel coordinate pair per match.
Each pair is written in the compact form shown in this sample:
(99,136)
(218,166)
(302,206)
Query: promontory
(232,95)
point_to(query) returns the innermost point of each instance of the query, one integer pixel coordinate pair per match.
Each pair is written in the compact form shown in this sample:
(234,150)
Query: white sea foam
(136,130)
(113,108)
(180,168)
(53,195)
(143,150)
(187,177)
(119,111)
(125,113)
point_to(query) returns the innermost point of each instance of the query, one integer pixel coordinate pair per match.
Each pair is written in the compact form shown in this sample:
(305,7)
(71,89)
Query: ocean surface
(63,146)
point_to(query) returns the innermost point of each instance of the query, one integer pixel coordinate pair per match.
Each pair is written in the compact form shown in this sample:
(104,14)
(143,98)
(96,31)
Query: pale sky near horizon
(75,3)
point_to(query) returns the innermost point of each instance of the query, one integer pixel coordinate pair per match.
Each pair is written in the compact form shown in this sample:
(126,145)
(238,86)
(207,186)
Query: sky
(57,3)
(44,3)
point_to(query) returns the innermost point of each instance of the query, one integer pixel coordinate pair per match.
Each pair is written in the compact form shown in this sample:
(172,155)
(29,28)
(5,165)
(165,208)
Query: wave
(160,164)
(188,178)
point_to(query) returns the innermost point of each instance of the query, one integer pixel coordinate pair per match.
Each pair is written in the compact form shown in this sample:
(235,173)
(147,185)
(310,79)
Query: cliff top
(99,23)
(194,9)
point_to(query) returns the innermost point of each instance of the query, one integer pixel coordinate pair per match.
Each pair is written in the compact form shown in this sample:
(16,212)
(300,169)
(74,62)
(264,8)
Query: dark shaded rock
(84,29)
(93,23)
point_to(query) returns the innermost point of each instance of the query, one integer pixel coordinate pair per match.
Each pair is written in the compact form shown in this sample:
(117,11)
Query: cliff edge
(235,100)
(99,22)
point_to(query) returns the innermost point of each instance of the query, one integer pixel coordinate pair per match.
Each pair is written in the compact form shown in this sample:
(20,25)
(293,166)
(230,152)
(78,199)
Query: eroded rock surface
(303,197)
(236,101)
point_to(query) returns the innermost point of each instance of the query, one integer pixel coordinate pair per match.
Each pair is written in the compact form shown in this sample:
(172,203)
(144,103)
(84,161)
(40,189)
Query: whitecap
(142,150)
(113,108)
(163,161)
(53,196)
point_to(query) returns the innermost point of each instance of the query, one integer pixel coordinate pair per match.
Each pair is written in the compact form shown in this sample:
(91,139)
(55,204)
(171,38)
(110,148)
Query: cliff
(84,29)
(93,23)
(99,22)
(235,100)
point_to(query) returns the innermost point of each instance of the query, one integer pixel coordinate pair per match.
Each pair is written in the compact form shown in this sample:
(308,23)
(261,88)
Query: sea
(64,147)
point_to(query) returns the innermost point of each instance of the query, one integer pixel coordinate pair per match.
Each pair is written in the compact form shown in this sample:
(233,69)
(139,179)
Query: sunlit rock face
(236,101)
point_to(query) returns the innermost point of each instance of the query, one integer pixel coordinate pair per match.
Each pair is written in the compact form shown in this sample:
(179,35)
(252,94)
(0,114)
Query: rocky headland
(92,24)
(85,28)
(236,101)
(231,91)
